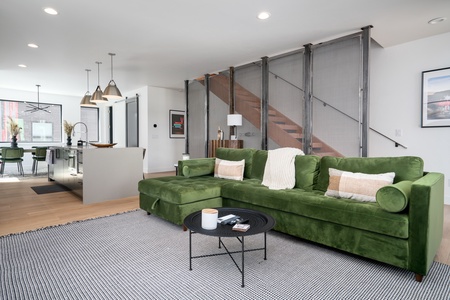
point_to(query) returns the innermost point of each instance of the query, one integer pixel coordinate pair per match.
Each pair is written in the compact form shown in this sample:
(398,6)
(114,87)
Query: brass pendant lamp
(86,101)
(112,91)
(97,96)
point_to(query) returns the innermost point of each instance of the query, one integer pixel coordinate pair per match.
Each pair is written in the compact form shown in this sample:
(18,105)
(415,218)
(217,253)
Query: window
(38,126)
(89,116)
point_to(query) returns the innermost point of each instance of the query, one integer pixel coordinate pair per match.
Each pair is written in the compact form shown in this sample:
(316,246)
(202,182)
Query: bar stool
(12,155)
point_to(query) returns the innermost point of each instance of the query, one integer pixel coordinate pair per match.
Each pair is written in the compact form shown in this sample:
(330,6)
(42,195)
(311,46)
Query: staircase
(281,129)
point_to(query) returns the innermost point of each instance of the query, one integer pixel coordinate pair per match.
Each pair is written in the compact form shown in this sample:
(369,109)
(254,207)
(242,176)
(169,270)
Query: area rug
(47,189)
(136,256)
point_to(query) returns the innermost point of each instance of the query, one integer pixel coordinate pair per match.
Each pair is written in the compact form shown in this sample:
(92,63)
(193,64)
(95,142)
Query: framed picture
(436,98)
(177,125)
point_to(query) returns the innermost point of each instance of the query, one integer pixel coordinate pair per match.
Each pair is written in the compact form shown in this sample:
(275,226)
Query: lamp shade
(111,91)
(97,96)
(86,101)
(234,120)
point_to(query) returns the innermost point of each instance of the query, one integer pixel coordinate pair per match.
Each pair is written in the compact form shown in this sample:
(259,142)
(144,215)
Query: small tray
(103,145)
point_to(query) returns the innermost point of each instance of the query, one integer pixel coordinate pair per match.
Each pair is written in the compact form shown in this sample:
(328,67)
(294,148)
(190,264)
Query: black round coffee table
(259,223)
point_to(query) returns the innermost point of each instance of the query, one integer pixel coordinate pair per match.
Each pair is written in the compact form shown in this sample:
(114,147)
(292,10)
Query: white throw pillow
(228,169)
(357,186)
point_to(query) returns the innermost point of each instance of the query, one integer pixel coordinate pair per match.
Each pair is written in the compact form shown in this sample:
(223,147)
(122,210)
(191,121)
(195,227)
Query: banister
(336,109)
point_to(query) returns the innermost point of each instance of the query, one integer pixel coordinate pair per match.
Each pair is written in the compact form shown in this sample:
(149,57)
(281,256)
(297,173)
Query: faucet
(87,136)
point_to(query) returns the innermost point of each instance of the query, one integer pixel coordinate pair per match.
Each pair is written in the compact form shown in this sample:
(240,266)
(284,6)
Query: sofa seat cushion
(182,190)
(362,215)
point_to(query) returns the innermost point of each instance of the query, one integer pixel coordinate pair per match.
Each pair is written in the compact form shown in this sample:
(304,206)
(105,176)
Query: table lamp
(234,120)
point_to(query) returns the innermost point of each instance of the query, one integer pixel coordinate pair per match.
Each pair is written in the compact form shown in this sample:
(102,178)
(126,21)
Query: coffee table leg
(242,262)
(190,250)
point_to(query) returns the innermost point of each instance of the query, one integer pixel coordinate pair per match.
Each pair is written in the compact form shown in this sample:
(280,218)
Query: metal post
(365,90)
(264,100)
(232,99)
(206,115)
(307,95)
(186,121)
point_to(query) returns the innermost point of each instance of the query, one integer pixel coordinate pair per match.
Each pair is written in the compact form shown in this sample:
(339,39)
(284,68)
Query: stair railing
(396,143)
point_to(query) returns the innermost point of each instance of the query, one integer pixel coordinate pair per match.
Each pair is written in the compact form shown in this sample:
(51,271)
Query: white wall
(162,151)
(154,105)
(395,102)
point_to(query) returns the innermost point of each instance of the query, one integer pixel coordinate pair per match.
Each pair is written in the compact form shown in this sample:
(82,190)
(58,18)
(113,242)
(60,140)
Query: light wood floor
(21,209)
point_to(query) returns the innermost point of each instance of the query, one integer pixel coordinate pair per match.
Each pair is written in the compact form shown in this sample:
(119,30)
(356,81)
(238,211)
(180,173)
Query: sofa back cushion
(237,155)
(404,167)
(306,169)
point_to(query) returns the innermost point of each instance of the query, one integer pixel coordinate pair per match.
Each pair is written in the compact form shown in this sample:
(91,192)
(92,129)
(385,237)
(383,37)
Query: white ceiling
(164,42)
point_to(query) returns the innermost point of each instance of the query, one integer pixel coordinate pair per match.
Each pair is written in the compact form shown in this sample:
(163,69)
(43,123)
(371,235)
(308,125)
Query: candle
(209,218)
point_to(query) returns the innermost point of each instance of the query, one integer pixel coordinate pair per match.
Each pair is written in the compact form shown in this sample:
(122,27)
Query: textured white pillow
(357,186)
(228,169)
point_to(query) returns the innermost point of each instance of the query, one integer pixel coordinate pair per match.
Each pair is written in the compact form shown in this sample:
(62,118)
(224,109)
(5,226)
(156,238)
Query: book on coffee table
(241,227)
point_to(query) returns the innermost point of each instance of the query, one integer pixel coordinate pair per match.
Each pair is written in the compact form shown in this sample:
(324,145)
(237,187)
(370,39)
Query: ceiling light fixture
(97,96)
(22,65)
(264,15)
(50,11)
(86,101)
(437,20)
(31,45)
(112,91)
(35,108)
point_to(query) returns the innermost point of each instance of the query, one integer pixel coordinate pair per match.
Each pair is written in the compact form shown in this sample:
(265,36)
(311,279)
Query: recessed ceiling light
(31,45)
(263,15)
(437,20)
(50,11)
(22,66)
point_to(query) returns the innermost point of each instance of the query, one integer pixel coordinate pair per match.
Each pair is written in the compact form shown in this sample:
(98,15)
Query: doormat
(47,189)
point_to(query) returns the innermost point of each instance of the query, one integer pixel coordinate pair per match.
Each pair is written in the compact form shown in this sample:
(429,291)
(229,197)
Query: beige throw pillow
(228,169)
(357,186)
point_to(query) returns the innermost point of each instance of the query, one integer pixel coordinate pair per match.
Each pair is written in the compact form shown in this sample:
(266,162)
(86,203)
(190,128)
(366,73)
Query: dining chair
(12,155)
(39,154)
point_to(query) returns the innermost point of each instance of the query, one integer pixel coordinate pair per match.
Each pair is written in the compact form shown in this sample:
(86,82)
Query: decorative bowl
(103,145)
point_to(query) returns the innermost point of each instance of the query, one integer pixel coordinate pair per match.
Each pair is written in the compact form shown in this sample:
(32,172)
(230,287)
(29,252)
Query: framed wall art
(436,98)
(177,125)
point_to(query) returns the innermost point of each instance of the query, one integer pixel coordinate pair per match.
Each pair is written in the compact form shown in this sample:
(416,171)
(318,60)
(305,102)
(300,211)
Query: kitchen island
(97,174)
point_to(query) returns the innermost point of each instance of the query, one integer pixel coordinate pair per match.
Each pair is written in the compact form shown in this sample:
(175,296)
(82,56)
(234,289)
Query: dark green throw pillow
(394,197)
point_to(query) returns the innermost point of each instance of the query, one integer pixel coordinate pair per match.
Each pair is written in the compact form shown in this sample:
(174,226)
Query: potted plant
(14,130)
(68,127)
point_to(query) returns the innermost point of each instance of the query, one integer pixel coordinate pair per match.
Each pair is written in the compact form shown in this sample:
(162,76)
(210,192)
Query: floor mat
(46,189)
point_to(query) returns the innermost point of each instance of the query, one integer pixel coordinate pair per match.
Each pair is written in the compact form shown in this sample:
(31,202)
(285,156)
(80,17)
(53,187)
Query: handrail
(336,109)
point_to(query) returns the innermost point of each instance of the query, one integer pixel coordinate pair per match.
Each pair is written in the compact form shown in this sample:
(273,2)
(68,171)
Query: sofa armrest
(196,167)
(426,219)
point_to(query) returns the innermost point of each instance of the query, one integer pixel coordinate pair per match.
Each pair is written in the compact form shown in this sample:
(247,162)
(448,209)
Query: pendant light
(111,91)
(32,108)
(86,101)
(97,96)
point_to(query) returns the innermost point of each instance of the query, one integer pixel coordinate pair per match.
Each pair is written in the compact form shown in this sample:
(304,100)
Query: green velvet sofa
(404,230)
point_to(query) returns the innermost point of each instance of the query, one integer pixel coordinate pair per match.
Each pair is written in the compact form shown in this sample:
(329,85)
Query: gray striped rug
(135,256)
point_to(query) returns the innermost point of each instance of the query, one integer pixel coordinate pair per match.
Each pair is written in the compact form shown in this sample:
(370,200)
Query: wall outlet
(398,132)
